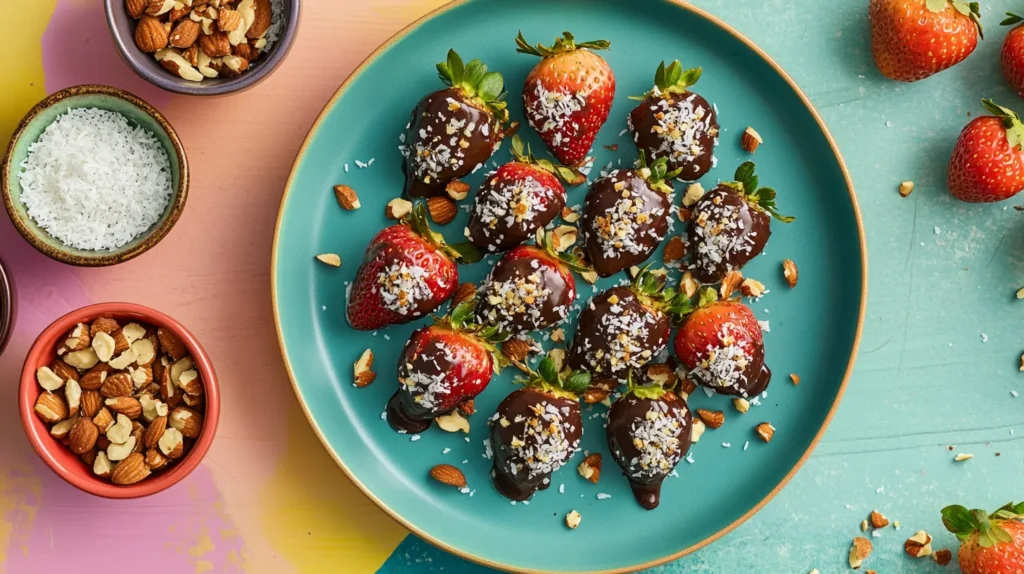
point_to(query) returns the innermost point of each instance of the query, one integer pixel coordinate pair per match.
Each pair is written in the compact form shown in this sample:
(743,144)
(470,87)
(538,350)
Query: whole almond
(150,35)
(185,33)
(83,435)
(94,378)
(228,20)
(171,444)
(346,197)
(463,293)
(214,45)
(516,349)
(130,470)
(51,408)
(153,433)
(117,385)
(91,403)
(675,249)
(104,324)
(750,140)
(186,420)
(171,344)
(442,210)
(448,474)
(126,406)
(713,419)
(136,8)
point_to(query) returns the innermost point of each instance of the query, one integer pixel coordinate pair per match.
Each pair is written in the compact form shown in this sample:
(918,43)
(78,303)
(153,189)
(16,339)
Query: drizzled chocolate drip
(648,438)
(524,294)
(680,127)
(617,332)
(512,204)
(533,435)
(623,222)
(726,233)
(447,137)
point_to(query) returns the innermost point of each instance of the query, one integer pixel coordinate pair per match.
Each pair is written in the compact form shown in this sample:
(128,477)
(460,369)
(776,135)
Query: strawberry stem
(523,154)
(570,259)
(672,80)
(564,43)
(1011,121)
(964,523)
(760,197)
(464,252)
(653,391)
(657,175)
(476,83)
(650,286)
(568,384)
(1011,19)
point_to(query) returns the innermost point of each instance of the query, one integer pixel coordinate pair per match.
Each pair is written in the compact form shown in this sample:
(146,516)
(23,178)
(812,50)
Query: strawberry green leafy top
(657,175)
(477,84)
(672,80)
(522,154)
(651,288)
(1011,121)
(970,9)
(566,43)
(762,198)
(462,318)
(566,384)
(464,252)
(962,522)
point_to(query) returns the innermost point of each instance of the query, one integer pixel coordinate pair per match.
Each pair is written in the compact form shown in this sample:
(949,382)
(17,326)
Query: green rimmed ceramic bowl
(138,113)
(814,328)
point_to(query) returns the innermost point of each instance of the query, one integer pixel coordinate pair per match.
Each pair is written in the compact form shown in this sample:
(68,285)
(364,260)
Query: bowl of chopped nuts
(119,400)
(203,47)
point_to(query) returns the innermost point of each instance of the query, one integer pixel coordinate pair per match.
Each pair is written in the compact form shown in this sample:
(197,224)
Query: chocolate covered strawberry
(568,95)
(407,272)
(441,367)
(720,344)
(536,430)
(648,434)
(625,327)
(990,543)
(988,160)
(454,130)
(530,288)
(626,216)
(519,198)
(730,225)
(674,123)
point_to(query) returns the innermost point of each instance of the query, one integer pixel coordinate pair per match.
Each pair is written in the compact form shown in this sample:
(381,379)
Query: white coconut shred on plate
(94,181)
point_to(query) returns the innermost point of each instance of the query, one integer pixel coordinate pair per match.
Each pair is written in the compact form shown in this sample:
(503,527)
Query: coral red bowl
(66,464)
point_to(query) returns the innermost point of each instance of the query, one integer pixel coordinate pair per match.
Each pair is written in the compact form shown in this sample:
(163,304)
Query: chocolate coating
(648,438)
(680,127)
(512,204)
(522,294)
(623,221)
(617,332)
(534,434)
(442,144)
(725,232)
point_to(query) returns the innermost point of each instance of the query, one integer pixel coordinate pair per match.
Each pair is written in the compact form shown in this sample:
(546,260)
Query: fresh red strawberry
(730,225)
(407,271)
(721,346)
(441,367)
(913,39)
(1013,53)
(991,544)
(675,123)
(626,216)
(520,197)
(988,163)
(537,430)
(530,288)
(454,130)
(568,95)
(648,435)
(626,327)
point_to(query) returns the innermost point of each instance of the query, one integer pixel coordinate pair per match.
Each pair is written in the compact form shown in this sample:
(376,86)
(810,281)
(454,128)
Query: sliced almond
(398,208)
(48,379)
(453,422)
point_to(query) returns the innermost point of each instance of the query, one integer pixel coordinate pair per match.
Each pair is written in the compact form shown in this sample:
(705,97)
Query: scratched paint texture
(268,499)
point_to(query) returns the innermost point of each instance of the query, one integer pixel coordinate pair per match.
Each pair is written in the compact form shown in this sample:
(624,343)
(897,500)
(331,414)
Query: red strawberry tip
(763,198)
(1011,121)
(964,523)
(970,9)
(483,88)
(564,43)
(672,80)
(463,252)
(570,176)
(566,384)
(572,259)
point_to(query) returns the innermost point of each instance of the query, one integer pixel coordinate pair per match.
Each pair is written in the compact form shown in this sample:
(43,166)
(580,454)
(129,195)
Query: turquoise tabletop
(941,347)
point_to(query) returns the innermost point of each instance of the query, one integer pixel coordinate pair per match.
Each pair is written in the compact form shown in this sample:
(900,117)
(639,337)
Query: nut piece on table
(790,272)
(697,431)
(859,551)
(346,197)
(398,208)
(713,419)
(362,370)
(569,215)
(795,378)
(741,404)
(675,249)
(449,475)
(463,293)
(453,422)
(694,192)
(878,520)
(750,140)
(331,259)
(572,520)
(942,557)
(919,545)
(457,190)
(765,431)
(906,188)
(590,468)
(442,210)
(730,283)
(752,288)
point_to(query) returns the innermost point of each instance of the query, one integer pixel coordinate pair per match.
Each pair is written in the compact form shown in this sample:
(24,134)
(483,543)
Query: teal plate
(814,327)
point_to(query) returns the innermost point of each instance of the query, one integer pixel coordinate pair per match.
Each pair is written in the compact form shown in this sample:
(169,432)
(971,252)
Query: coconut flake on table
(94,181)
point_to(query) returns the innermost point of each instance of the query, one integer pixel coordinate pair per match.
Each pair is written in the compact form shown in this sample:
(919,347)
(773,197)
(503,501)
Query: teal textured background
(942,279)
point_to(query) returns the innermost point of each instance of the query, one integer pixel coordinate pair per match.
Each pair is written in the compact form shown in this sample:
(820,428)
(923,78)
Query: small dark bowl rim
(164,80)
(152,237)
(7,306)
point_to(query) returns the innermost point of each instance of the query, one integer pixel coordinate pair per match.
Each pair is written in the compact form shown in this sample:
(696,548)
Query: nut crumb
(906,188)
(572,520)
(347,198)
(765,431)
(963,456)
(790,272)
(795,378)
(331,259)
(750,140)
(859,551)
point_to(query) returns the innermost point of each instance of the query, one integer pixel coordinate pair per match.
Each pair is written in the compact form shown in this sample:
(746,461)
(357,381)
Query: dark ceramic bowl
(122,29)
(7,307)
(138,113)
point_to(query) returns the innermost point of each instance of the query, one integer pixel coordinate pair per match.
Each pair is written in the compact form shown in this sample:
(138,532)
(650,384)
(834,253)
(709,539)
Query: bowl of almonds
(119,400)
(203,47)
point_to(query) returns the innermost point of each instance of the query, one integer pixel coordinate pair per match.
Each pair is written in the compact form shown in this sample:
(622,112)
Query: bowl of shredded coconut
(94,176)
